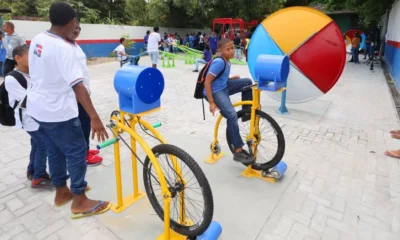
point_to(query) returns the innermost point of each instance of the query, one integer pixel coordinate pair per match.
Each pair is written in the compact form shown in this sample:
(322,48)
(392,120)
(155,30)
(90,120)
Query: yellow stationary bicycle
(176,186)
(264,137)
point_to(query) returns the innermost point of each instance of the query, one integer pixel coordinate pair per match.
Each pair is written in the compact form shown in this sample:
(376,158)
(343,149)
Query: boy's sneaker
(195,70)
(29,175)
(46,176)
(42,183)
(93,160)
(243,157)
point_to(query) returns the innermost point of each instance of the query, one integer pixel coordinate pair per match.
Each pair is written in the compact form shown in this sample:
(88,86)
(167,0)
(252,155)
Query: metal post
(118,173)
(283,109)
(134,163)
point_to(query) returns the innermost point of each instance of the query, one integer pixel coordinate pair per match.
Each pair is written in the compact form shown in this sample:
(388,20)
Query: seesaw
(169,173)
(133,59)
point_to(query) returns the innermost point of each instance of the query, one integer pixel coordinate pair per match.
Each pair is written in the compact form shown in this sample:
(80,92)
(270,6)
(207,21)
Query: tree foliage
(369,11)
(187,13)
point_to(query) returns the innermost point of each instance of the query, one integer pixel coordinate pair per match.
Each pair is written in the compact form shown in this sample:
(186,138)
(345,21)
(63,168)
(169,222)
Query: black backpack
(6,111)
(198,92)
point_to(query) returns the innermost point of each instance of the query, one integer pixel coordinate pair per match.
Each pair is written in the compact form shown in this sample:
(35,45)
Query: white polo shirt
(118,50)
(80,54)
(153,43)
(16,93)
(54,71)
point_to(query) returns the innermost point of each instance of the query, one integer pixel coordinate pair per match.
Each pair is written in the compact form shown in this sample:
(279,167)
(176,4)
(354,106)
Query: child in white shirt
(92,157)
(16,95)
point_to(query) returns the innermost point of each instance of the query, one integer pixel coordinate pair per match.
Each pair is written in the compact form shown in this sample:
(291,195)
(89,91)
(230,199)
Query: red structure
(232,26)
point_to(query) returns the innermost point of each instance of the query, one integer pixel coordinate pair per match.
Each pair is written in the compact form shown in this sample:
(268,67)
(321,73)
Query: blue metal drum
(271,71)
(139,88)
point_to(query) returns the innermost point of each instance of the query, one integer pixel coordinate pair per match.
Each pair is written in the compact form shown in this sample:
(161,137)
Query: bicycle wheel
(197,198)
(266,156)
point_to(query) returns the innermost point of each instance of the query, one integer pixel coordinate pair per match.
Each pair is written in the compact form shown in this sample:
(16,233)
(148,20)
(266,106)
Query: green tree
(108,9)
(136,12)
(200,13)
(369,11)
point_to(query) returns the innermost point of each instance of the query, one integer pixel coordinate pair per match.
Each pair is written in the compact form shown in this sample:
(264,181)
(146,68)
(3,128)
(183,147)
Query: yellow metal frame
(249,172)
(123,203)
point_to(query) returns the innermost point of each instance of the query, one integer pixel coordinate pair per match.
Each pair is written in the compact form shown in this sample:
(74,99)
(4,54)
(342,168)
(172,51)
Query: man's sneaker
(243,157)
(93,160)
(93,152)
(42,183)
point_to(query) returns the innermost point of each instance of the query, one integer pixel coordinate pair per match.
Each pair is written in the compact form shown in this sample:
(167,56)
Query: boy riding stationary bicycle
(218,86)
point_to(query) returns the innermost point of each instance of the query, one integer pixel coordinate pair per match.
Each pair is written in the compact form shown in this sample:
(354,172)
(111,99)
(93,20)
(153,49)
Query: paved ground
(343,187)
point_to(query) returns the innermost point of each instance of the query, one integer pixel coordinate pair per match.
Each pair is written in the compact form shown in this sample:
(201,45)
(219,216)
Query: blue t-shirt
(213,42)
(207,55)
(215,68)
(146,39)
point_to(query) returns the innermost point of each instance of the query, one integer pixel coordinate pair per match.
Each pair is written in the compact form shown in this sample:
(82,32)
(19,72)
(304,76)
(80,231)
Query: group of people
(355,47)
(48,85)
(152,41)
(210,49)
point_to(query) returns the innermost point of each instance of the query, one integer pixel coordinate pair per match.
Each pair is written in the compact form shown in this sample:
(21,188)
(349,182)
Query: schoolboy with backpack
(13,113)
(215,85)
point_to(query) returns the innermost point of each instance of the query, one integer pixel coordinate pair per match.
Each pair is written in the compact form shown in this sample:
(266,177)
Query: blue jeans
(238,53)
(38,156)
(85,123)
(198,61)
(355,53)
(369,51)
(65,141)
(223,102)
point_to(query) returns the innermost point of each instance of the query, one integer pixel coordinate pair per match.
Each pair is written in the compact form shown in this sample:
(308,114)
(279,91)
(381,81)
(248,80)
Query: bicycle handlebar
(107,143)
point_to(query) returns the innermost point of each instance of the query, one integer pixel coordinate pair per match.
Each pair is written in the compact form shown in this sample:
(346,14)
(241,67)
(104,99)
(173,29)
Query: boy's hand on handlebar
(235,77)
(99,130)
(213,108)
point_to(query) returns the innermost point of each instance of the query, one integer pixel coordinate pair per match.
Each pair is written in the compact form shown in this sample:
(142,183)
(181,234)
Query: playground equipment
(349,35)
(272,72)
(168,58)
(139,90)
(314,44)
(190,54)
(232,26)
(134,59)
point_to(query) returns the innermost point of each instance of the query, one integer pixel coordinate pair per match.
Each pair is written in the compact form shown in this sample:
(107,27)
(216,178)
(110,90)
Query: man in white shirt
(16,84)
(10,41)
(152,46)
(120,50)
(122,56)
(56,84)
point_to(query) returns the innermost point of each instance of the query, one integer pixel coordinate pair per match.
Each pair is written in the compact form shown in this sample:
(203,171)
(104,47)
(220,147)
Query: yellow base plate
(172,236)
(212,160)
(127,202)
(251,173)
